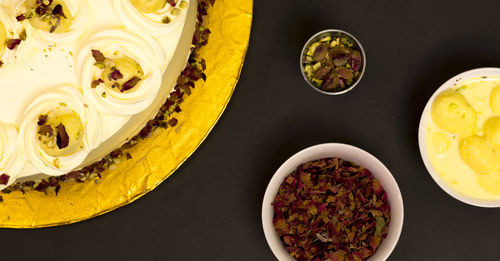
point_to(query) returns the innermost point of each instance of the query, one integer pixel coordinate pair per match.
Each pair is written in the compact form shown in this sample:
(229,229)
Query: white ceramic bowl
(476,73)
(349,153)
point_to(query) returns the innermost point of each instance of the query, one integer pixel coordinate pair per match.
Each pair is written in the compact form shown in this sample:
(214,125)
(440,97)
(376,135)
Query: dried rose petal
(130,84)
(12,43)
(96,83)
(4,179)
(173,122)
(20,17)
(58,11)
(116,75)
(41,10)
(42,119)
(328,210)
(356,60)
(62,137)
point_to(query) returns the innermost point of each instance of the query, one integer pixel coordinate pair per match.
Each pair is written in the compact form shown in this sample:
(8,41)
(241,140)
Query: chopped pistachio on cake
(121,74)
(60,132)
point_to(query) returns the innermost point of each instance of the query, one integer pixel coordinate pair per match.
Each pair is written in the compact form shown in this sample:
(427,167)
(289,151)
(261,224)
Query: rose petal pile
(331,209)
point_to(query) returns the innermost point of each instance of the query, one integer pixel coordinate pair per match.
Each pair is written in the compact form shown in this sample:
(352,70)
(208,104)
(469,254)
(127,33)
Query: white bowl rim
(465,76)
(342,151)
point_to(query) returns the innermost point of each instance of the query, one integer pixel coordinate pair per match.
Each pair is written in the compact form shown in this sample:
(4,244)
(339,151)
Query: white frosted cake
(79,78)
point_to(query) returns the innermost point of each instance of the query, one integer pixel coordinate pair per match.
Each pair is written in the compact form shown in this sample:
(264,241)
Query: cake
(79,79)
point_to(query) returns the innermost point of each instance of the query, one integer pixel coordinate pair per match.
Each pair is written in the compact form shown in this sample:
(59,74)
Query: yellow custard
(463,137)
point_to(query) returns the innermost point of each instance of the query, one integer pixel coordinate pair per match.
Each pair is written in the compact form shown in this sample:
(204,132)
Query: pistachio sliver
(344,73)
(322,72)
(98,56)
(339,51)
(320,52)
(341,61)
(331,82)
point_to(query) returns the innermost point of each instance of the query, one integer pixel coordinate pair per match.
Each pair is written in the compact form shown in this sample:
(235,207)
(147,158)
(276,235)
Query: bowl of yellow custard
(459,137)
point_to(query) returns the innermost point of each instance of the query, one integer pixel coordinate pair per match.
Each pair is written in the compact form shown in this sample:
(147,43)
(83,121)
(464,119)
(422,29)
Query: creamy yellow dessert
(463,137)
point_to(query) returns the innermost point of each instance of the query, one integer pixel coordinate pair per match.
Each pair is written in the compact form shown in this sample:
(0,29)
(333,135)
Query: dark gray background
(210,209)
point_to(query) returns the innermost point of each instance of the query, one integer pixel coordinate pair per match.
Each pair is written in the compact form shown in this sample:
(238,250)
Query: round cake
(80,78)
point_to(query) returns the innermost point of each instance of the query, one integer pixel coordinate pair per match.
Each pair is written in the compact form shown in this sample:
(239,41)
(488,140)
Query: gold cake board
(156,158)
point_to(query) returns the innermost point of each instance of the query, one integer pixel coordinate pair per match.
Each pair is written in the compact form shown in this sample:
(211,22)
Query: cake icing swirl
(10,30)
(121,50)
(11,158)
(154,21)
(59,130)
(76,14)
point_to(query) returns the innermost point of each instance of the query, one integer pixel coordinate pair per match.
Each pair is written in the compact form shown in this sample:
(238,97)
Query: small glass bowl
(333,33)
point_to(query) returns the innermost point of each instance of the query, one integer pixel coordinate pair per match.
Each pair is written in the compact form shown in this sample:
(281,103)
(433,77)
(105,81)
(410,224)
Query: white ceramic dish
(349,153)
(476,73)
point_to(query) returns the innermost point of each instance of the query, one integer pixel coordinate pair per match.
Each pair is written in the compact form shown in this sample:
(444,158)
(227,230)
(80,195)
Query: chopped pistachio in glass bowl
(333,62)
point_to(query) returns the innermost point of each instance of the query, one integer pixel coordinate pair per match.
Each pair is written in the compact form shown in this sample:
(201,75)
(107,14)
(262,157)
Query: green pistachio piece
(340,61)
(339,52)
(331,82)
(320,52)
(345,73)
(312,48)
(322,72)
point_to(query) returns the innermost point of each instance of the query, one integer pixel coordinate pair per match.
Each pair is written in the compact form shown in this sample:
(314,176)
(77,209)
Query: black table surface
(211,208)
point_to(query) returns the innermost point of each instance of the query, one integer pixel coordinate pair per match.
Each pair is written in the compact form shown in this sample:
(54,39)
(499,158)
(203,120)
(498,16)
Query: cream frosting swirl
(115,44)
(13,30)
(153,23)
(66,98)
(11,158)
(79,10)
